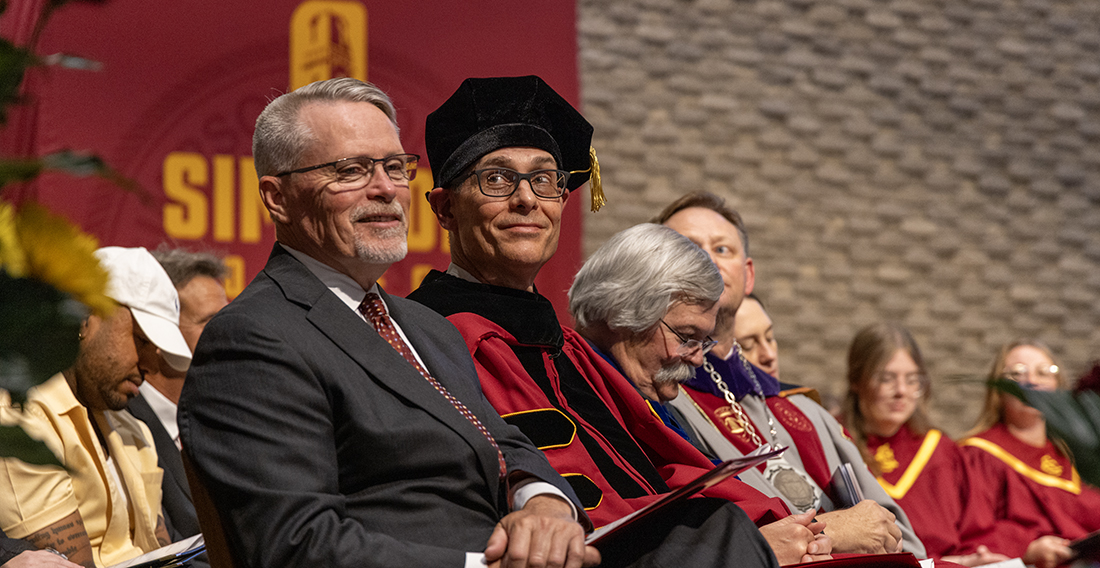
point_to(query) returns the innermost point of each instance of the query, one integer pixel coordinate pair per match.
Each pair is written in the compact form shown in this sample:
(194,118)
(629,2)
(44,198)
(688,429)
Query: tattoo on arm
(162,532)
(68,537)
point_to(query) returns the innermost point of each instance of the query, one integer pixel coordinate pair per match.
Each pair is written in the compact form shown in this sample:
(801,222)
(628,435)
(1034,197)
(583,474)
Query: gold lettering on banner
(185,214)
(215,197)
(223,190)
(253,214)
(417,274)
(423,228)
(235,282)
(328,38)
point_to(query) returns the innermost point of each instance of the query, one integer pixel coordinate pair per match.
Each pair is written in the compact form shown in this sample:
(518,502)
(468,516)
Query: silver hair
(638,274)
(182,265)
(280,139)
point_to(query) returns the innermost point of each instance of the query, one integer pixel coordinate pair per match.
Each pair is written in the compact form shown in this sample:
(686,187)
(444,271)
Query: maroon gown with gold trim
(589,420)
(927,476)
(1020,492)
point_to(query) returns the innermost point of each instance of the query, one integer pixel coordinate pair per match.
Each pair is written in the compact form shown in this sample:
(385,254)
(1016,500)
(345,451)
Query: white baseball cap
(137,281)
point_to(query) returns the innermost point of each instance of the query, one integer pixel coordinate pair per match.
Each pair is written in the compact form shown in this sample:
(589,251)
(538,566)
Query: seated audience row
(1009,491)
(333,424)
(732,407)
(336,425)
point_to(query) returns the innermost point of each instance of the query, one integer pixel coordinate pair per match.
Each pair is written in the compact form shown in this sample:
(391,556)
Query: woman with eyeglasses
(917,465)
(1030,498)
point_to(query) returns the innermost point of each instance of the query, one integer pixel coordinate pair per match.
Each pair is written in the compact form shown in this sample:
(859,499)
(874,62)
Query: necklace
(738,412)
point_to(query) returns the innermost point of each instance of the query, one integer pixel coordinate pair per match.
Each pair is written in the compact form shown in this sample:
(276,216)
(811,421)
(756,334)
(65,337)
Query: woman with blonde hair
(922,469)
(1031,498)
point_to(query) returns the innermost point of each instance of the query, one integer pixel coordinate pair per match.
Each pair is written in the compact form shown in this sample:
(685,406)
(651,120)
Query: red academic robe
(927,476)
(1019,493)
(796,423)
(512,392)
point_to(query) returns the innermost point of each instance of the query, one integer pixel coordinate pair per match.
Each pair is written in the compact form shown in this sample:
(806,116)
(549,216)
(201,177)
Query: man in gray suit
(335,425)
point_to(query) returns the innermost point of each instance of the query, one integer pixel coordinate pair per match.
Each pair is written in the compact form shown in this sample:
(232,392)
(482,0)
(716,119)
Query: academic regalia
(927,476)
(818,444)
(595,429)
(1020,492)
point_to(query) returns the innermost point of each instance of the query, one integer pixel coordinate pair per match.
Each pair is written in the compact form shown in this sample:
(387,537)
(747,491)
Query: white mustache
(375,209)
(675,373)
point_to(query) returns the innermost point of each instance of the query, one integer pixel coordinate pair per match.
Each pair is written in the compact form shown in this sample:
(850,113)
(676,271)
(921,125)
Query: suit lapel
(384,364)
(169,459)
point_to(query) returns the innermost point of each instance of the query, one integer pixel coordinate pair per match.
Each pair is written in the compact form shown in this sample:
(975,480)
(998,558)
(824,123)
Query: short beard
(374,250)
(675,373)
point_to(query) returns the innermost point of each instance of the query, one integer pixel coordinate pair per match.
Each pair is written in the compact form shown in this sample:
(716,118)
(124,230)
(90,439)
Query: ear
(442,205)
(750,276)
(565,196)
(89,326)
(273,193)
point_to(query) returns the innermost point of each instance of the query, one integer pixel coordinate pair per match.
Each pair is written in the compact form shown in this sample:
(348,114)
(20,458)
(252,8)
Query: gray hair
(633,279)
(280,140)
(183,265)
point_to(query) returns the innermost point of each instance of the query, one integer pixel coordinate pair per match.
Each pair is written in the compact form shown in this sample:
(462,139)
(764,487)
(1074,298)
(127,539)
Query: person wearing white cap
(198,280)
(105,508)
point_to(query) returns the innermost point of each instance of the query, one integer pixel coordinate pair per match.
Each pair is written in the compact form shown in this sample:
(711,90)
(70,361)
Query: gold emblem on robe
(884,456)
(729,420)
(1050,465)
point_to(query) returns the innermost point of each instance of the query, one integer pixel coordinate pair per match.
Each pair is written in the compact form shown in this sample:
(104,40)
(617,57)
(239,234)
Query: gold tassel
(595,186)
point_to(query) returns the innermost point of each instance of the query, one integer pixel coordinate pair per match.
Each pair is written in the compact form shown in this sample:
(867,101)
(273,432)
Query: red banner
(174,106)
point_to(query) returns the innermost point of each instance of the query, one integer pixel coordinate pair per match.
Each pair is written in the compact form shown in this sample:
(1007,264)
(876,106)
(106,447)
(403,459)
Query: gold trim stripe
(927,447)
(572,436)
(1070,485)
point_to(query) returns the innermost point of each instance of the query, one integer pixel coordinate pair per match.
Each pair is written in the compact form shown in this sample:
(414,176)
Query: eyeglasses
(352,172)
(688,346)
(913,381)
(503,182)
(1042,377)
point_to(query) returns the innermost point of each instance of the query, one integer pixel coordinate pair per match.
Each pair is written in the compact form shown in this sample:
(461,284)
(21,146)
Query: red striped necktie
(375,312)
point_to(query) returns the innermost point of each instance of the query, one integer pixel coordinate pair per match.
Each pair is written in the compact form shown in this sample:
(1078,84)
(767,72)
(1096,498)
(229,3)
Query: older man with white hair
(648,303)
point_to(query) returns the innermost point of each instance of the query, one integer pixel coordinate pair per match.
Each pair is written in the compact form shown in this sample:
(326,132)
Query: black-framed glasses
(400,168)
(503,182)
(688,346)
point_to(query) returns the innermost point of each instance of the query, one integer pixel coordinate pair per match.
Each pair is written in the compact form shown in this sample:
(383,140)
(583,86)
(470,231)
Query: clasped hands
(541,534)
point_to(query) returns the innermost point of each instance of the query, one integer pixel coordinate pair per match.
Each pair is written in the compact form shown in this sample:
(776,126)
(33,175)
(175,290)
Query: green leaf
(82,165)
(15,443)
(39,326)
(77,164)
(1074,420)
(17,170)
(14,62)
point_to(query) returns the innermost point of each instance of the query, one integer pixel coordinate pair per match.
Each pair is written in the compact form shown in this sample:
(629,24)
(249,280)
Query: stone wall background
(935,163)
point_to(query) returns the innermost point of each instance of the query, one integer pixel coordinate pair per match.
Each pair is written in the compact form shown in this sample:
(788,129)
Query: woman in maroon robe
(917,465)
(1030,500)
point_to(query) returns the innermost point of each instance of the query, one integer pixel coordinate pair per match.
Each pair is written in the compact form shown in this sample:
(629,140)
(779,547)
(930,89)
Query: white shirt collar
(345,287)
(459,272)
(163,407)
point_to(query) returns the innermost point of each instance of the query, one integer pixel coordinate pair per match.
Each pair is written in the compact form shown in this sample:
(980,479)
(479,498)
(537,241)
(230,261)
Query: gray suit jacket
(322,446)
